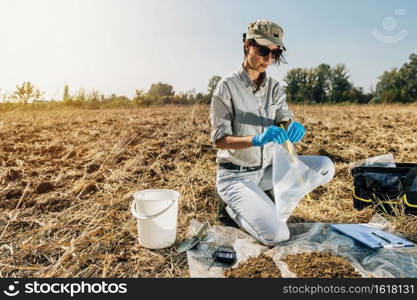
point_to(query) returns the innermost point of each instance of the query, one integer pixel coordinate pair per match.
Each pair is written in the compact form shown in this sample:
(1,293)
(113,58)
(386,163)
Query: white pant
(247,203)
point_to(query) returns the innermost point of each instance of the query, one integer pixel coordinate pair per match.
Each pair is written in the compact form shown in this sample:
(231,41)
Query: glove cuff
(255,141)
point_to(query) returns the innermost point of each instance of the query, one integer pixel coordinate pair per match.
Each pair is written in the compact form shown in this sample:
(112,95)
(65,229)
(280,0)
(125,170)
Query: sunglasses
(264,51)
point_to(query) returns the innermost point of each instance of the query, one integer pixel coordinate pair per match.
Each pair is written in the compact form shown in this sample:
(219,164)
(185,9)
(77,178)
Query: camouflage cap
(265,33)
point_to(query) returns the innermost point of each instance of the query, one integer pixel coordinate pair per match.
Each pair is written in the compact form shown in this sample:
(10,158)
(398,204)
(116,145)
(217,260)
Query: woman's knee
(275,234)
(275,237)
(265,230)
(328,168)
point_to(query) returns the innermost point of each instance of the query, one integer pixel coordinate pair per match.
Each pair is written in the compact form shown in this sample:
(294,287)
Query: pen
(381,237)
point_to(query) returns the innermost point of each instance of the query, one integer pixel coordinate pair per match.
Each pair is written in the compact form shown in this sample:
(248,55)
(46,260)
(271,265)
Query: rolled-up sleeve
(283,113)
(221,112)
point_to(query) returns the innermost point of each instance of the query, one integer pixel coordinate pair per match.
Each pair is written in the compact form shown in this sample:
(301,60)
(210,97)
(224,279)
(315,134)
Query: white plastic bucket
(156,212)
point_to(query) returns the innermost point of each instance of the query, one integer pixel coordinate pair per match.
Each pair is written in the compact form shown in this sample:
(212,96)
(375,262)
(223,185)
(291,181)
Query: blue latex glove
(271,134)
(296,132)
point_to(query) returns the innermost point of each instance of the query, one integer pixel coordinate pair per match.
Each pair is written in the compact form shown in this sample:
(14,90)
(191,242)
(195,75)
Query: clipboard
(371,237)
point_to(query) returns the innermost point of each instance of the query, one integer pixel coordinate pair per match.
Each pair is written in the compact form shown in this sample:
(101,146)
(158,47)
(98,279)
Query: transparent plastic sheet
(305,237)
(381,161)
(292,180)
(383,263)
(199,258)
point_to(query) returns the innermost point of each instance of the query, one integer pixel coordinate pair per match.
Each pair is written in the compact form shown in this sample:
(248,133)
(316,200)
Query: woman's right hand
(271,134)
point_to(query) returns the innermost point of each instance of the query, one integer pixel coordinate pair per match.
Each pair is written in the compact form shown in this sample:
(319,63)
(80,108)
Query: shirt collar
(243,75)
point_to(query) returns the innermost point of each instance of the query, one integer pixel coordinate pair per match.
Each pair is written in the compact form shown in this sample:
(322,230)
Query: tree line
(319,85)
(158,94)
(324,84)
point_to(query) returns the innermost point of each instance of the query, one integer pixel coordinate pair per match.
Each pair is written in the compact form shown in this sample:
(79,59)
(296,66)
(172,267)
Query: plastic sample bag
(291,180)
(381,161)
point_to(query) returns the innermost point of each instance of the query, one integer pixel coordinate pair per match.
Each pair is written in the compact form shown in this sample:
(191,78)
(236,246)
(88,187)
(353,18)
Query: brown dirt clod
(320,265)
(44,187)
(92,168)
(255,267)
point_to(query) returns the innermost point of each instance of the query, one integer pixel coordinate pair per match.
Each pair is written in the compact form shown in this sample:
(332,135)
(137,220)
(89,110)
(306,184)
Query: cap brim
(270,42)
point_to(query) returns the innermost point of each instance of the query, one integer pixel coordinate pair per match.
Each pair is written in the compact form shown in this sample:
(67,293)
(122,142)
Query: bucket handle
(133,210)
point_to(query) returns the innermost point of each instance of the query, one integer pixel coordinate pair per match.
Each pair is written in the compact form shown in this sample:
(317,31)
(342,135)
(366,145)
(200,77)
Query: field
(67,178)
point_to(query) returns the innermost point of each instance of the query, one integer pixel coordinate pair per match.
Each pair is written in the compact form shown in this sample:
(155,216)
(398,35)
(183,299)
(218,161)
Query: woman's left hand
(296,132)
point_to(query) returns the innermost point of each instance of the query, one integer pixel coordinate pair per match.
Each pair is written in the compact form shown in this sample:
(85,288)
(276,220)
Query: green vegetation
(325,84)
(398,85)
(320,85)
(26,93)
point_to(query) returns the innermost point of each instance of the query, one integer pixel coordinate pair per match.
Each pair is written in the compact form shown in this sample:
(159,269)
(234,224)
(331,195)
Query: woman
(246,108)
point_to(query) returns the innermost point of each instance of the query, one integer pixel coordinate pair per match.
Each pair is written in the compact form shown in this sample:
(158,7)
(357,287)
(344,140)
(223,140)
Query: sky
(118,46)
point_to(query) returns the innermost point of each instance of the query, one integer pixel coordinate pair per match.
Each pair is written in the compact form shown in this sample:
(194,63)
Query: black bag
(390,189)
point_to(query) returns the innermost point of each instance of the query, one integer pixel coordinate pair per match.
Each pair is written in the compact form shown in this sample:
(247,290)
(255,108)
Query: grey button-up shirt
(240,108)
